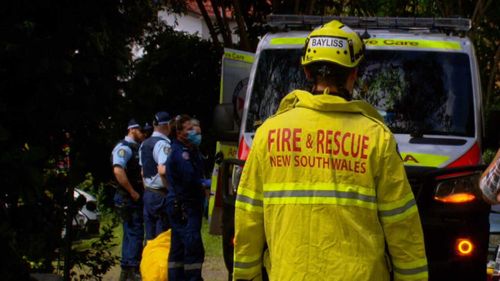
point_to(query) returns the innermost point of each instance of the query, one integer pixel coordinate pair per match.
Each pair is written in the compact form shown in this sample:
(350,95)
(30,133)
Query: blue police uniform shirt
(161,150)
(122,153)
(185,174)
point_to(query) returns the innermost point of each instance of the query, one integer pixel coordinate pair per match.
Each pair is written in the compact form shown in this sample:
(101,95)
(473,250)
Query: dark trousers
(133,230)
(155,213)
(186,249)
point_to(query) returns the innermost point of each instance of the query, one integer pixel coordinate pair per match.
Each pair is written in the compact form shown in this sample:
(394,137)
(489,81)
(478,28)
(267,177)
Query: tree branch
(208,21)
(296,7)
(492,78)
(245,45)
(310,7)
(225,36)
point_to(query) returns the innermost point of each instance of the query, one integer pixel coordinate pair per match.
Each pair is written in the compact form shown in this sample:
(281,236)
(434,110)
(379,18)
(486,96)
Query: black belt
(162,190)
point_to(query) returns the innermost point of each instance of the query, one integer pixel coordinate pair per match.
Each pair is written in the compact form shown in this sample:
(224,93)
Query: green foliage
(87,184)
(102,191)
(488,155)
(179,73)
(211,243)
(59,69)
(92,261)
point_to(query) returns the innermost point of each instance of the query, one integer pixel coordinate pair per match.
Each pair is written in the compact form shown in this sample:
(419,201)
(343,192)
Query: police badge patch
(121,152)
(185,155)
(166,150)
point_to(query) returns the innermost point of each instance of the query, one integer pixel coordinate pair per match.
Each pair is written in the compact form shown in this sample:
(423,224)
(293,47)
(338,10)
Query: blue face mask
(194,137)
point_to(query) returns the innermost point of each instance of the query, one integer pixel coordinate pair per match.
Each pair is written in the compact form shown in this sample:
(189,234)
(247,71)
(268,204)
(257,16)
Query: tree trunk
(479,10)
(492,79)
(245,44)
(208,21)
(222,28)
(226,24)
(276,5)
(296,7)
(478,14)
(310,7)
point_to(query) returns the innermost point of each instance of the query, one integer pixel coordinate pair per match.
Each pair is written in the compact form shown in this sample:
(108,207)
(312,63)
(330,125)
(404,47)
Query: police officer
(323,186)
(127,198)
(147,130)
(154,152)
(195,139)
(185,204)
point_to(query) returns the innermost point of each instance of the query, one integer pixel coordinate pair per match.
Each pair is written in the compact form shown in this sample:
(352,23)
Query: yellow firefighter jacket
(325,188)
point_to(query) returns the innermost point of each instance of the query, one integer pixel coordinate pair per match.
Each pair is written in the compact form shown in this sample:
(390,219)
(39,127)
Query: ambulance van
(421,74)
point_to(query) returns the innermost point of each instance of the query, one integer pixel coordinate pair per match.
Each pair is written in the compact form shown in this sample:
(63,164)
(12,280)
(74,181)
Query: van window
(417,92)
(278,73)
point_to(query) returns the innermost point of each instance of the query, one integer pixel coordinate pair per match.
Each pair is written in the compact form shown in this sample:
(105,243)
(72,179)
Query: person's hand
(135,196)
(206,182)
(162,170)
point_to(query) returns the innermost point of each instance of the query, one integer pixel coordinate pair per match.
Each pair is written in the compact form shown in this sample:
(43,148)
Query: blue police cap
(132,124)
(147,127)
(161,118)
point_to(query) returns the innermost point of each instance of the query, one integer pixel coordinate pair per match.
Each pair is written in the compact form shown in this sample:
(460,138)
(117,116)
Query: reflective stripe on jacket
(325,189)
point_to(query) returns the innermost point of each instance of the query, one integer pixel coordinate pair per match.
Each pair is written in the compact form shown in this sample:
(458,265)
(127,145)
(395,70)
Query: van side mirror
(225,127)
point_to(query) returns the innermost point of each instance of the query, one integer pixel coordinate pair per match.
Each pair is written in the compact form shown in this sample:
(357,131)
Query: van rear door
(236,66)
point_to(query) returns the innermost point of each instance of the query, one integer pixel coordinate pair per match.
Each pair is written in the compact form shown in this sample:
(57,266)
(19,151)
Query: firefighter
(185,204)
(324,189)
(128,200)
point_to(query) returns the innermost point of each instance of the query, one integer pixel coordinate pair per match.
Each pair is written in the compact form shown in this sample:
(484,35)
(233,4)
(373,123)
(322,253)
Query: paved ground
(213,270)
(213,267)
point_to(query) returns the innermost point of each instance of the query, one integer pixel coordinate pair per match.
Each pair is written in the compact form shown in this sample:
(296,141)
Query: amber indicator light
(464,247)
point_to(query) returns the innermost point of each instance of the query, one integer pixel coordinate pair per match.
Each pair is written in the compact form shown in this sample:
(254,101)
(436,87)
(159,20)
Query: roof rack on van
(308,22)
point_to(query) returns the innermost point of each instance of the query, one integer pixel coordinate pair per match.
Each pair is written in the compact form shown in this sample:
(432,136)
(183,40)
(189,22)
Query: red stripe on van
(243,149)
(471,157)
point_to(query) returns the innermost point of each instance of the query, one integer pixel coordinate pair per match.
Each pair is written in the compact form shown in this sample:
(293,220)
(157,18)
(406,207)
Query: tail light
(464,247)
(457,190)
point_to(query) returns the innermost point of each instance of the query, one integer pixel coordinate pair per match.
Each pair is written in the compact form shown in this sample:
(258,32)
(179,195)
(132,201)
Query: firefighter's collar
(299,98)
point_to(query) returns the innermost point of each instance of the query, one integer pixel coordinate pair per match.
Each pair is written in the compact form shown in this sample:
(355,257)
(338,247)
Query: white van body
(440,149)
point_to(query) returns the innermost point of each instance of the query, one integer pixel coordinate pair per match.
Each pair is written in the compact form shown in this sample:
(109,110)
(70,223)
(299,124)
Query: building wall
(192,24)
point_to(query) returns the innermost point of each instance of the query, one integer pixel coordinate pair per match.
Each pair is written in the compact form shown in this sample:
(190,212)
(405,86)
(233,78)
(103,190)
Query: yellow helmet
(334,42)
